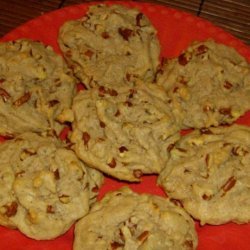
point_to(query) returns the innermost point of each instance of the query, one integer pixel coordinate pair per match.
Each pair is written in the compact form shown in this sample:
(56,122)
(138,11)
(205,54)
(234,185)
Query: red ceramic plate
(176,29)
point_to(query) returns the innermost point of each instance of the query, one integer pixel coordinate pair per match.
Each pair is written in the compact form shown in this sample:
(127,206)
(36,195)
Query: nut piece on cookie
(123,132)
(35,88)
(209,174)
(133,221)
(208,85)
(110,42)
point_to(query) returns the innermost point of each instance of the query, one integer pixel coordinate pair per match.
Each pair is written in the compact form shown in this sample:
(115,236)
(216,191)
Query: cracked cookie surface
(110,42)
(35,88)
(208,85)
(123,132)
(209,173)
(135,221)
(46,187)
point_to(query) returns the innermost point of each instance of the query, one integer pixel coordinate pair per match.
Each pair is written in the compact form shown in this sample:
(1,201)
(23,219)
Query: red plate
(176,29)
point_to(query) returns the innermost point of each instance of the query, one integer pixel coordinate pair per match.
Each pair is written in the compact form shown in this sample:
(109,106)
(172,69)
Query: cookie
(123,132)
(208,84)
(209,173)
(135,222)
(35,88)
(47,187)
(110,42)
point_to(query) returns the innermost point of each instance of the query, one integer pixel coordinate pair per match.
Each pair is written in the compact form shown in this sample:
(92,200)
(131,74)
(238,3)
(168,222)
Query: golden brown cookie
(209,173)
(123,132)
(132,221)
(208,85)
(110,42)
(35,88)
(44,186)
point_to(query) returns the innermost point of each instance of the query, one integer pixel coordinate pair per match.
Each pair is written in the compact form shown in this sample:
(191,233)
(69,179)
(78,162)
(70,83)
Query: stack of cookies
(125,122)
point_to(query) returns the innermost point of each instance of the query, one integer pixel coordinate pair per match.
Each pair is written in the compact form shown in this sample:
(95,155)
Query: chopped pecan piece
(7,136)
(125,33)
(128,77)
(132,92)
(225,111)
(112,92)
(4,94)
(137,173)
(170,147)
(50,209)
(105,35)
(56,174)
(206,197)
(112,164)
(189,244)
(102,124)
(23,99)
(175,89)
(227,85)
(201,50)
(52,103)
(123,149)
(182,59)
(138,19)
(2,80)
(238,151)
(128,103)
(186,171)
(143,236)
(234,151)
(85,137)
(102,91)
(81,86)
(114,245)
(229,184)
(11,209)
(89,53)
(117,113)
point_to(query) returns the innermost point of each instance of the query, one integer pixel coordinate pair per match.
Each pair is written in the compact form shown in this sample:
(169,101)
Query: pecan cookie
(123,132)
(35,87)
(44,186)
(135,222)
(209,173)
(208,84)
(110,42)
